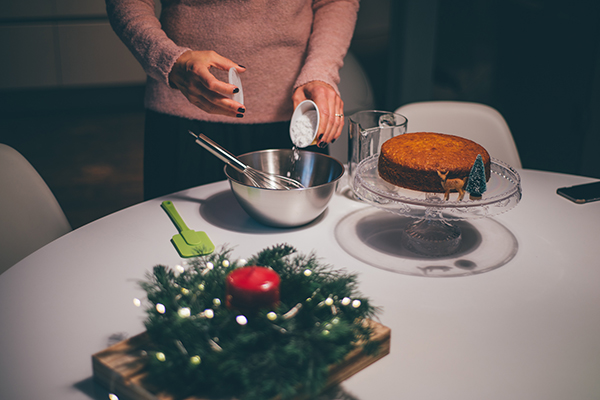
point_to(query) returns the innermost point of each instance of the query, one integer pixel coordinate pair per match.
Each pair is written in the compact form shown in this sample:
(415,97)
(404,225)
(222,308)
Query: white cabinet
(29,58)
(92,54)
(62,43)
(21,9)
(75,8)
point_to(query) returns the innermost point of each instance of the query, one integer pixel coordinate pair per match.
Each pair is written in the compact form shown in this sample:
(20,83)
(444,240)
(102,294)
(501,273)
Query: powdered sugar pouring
(304,124)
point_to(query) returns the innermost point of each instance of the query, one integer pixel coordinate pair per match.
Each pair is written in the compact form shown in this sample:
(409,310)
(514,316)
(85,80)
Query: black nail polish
(333,141)
(320,137)
(240,115)
(236,90)
(322,145)
(242,66)
(242,110)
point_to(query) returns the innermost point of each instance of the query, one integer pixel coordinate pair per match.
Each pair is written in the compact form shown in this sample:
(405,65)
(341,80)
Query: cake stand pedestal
(434,231)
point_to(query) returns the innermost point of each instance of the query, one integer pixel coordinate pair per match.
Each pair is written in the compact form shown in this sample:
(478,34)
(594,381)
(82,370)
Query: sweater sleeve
(136,24)
(333,26)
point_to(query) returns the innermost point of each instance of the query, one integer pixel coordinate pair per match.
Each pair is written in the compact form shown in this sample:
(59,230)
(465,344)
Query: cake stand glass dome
(434,231)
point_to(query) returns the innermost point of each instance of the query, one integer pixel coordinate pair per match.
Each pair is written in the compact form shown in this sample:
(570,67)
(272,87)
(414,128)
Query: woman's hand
(331,109)
(191,75)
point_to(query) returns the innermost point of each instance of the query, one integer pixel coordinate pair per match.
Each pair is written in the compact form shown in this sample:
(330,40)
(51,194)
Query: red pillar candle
(251,288)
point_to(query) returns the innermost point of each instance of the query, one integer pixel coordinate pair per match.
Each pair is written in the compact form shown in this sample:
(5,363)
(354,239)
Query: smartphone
(581,194)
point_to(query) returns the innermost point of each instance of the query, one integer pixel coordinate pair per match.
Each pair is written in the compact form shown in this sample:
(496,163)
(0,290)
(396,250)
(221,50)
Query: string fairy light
(181,347)
(214,345)
(293,311)
(195,360)
(209,267)
(271,316)
(184,312)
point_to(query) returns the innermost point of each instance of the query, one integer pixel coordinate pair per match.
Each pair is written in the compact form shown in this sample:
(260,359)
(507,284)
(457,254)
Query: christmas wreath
(210,340)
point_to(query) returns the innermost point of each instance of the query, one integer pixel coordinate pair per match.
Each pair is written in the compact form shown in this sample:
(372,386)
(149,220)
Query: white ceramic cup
(304,124)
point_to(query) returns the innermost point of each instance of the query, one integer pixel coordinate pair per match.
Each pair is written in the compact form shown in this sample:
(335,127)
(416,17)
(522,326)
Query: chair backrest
(357,93)
(478,122)
(30,216)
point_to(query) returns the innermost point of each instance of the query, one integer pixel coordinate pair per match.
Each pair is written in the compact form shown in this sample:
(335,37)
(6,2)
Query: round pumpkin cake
(413,160)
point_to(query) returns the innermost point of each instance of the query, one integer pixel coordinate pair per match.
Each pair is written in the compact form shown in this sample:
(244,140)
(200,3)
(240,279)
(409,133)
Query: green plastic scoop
(188,243)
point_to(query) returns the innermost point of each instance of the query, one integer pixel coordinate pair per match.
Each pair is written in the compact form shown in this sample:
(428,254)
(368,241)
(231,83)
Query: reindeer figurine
(452,184)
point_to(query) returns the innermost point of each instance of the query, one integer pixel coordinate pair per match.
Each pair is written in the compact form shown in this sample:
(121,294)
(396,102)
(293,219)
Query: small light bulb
(112,396)
(208,313)
(356,303)
(241,262)
(346,301)
(201,286)
(160,356)
(329,301)
(210,265)
(179,269)
(307,272)
(240,319)
(184,312)
(272,316)
(217,302)
(225,263)
(137,302)
(184,291)
(160,308)
(195,360)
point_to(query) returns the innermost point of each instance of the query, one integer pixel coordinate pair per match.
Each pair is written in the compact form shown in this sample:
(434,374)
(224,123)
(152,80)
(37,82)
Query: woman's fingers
(331,109)
(191,75)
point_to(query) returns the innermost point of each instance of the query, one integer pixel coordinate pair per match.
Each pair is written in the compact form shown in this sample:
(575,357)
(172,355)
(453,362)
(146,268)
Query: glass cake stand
(434,226)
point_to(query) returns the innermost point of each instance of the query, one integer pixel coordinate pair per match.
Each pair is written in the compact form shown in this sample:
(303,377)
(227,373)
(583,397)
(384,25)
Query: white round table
(529,329)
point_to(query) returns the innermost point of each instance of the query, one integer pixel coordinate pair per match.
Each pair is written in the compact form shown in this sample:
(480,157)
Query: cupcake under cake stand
(428,236)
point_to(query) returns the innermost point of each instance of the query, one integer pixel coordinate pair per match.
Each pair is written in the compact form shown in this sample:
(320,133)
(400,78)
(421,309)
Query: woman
(285,51)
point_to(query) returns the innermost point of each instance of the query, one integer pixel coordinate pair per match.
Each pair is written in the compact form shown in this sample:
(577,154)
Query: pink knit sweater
(282,43)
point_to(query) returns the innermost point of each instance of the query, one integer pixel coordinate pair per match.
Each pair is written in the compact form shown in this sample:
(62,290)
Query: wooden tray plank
(120,368)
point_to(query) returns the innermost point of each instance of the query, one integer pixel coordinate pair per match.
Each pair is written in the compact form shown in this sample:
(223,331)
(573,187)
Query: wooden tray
(120,368)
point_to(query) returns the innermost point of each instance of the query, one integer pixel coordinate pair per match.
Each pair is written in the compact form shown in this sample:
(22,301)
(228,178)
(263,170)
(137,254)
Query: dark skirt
(174,162)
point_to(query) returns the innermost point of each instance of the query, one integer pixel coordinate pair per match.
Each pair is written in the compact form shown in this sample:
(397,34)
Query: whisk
(258,178)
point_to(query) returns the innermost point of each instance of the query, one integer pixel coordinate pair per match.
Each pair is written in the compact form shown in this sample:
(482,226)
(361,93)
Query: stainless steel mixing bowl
(319,174)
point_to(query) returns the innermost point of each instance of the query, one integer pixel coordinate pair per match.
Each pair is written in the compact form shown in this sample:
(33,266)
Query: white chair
(30,216)
(478,122)
(357,94)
